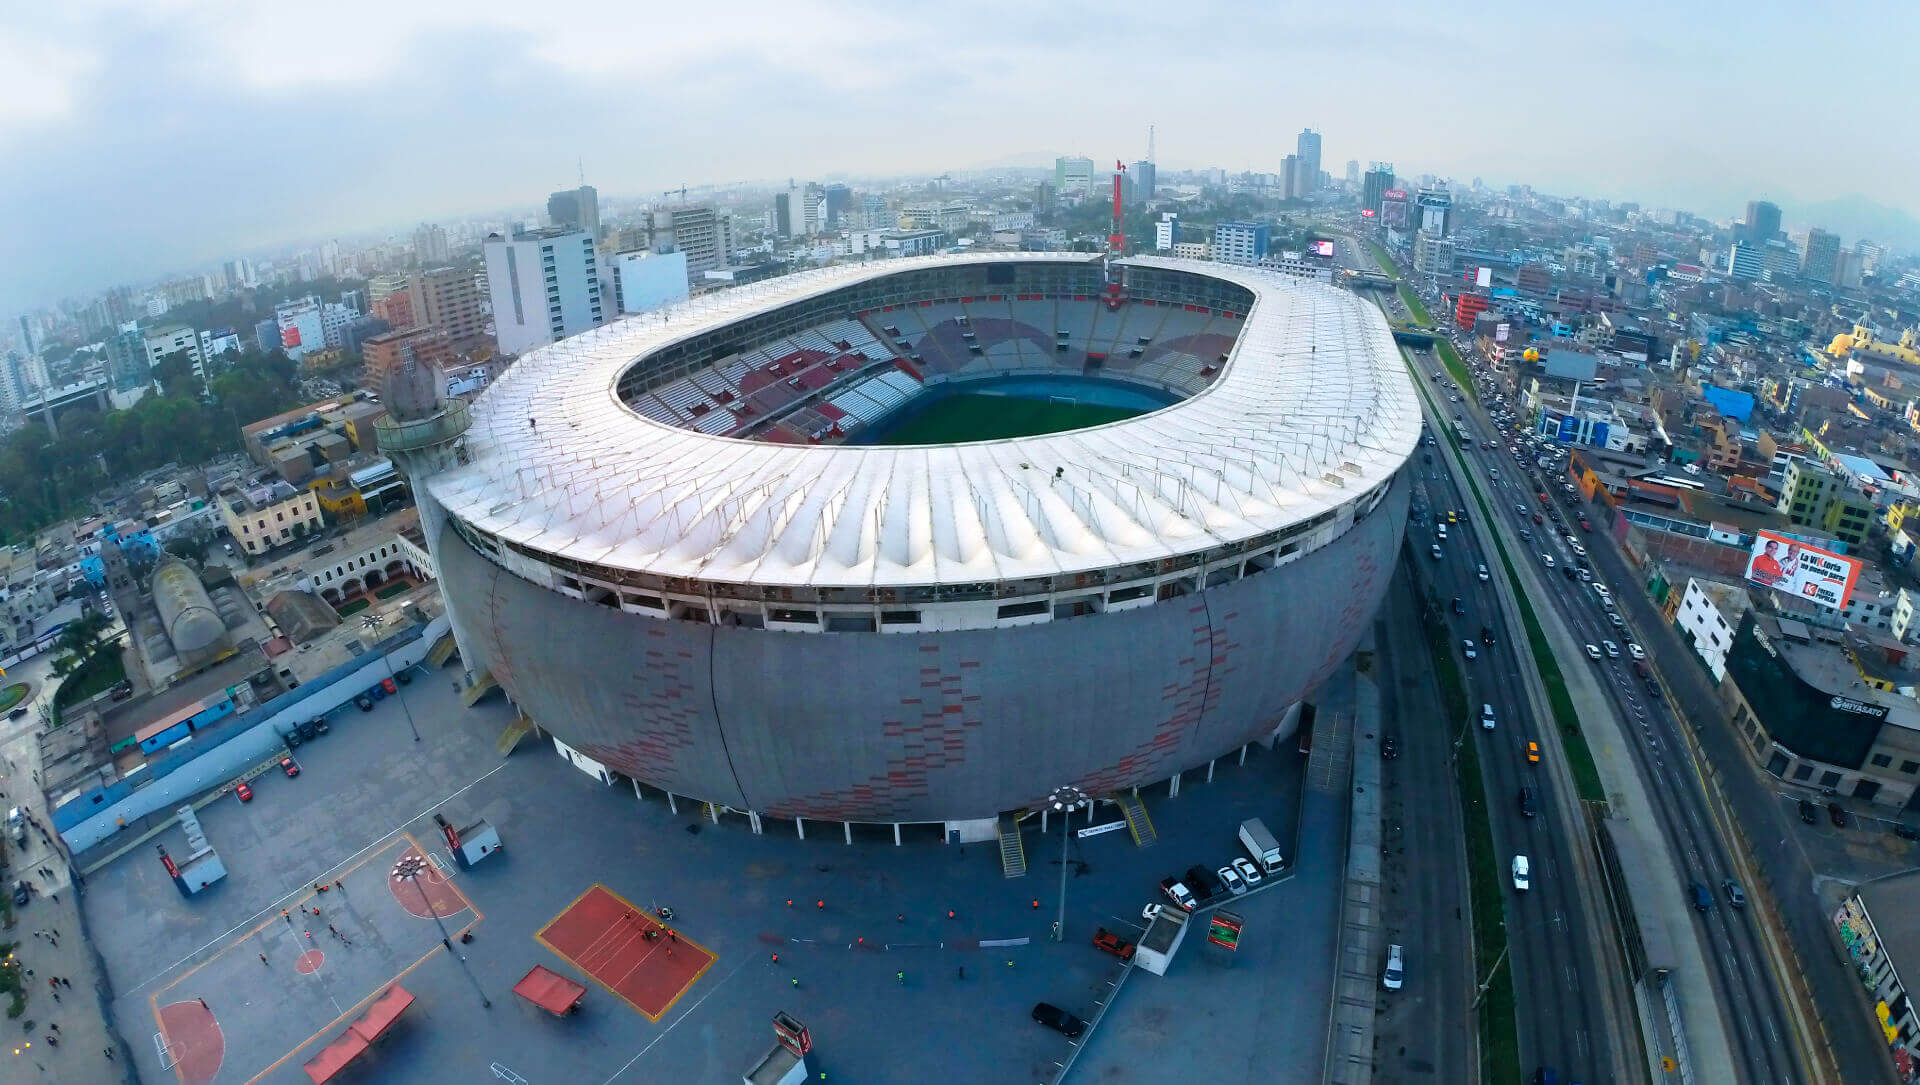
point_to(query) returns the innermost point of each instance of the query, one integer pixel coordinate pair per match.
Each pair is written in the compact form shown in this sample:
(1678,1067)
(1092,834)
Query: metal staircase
(1013,854)
(1138,823)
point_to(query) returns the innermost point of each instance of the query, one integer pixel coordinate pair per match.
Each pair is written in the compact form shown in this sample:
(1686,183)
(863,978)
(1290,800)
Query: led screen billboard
(1802,570)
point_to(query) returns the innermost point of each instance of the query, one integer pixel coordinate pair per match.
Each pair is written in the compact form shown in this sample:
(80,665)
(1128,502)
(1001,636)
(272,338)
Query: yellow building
(262,517)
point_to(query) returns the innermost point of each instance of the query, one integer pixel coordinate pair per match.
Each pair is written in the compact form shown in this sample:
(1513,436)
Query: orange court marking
(436,883)
(605,936)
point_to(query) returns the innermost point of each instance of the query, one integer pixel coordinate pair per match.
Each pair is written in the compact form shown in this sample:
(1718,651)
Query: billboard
(1323,248)
(1366,212)
(1802,570)
(1483,278)
(290,336)
(1500,332)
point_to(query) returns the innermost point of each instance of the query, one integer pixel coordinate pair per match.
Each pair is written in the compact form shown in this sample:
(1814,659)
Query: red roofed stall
(550,991)
(360,1035)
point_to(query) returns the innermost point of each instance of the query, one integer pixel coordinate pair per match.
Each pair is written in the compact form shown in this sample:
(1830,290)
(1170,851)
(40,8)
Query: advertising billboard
(290,336)
(1802,570)
(1323,248)
(1501,331)
(1483,278)
(1366,212)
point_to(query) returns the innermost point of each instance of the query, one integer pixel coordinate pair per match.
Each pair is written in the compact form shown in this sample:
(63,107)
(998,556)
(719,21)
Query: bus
(1460,432)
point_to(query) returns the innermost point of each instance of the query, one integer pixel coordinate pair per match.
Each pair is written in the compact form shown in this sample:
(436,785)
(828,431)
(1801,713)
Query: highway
(1559,981)
(1749,1000)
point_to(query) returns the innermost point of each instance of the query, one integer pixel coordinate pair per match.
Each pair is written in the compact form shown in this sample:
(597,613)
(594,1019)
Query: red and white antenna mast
(1116,244)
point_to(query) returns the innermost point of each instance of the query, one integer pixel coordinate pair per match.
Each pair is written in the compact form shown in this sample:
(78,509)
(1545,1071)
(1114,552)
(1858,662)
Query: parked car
(1230,878)
(1905,832)
(289,766)
(1809,813)
(1177,892)
(1836,815)
(244,792)
(320,725)
(404,676)
(1396,973)
(1248,870)
(1058,1020)
(387,684)
(1109,942)
(1204,883)
(307,730)
(364,702)
(17,713)
(21,892)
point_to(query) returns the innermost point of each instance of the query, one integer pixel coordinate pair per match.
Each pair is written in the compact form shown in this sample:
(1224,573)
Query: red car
(1584,526)
(289,766)
(1113,943)
(245,792)
(1537,519)
(387,684)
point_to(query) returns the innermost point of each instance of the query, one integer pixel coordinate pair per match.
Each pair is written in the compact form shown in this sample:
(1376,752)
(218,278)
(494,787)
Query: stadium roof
(1313,409)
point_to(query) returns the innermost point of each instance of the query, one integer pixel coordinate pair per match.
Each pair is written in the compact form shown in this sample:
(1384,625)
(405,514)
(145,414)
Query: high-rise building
(1435,208)
(839,202)
(1308,148)
(1353,172)
(1822,254)
(788,214)
(1293,184)
(575,209)
(1374,186)
(1870,255)
(387,352)
(1762,222)
(1746,261)
(1145,179)
(430,247)
(129,365)
(704,234)
(1240,242)
(545,286)
(302,326)
(1072,176)
(389,299)
(28,340)
(447,299)
(1783,260)
(1166,231)
(813,209)
(171,339)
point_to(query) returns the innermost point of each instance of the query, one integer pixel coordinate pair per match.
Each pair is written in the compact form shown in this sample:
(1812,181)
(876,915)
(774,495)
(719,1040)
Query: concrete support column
(1243,752)
(713,813)
(896,834)
(636,790)
(671,805)
(1043,821)
(1210,770)
(848,827)
(800,827)
(1173,786)
(754,820)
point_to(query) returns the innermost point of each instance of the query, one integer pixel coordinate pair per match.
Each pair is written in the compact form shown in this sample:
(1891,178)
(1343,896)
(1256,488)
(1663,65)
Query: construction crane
(682,190)
(1116,244)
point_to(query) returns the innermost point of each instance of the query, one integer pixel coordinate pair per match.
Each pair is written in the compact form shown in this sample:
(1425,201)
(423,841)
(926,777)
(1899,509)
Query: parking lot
(869,958)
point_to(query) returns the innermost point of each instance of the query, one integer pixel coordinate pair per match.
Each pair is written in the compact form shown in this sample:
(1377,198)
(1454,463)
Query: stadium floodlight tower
(1116,245)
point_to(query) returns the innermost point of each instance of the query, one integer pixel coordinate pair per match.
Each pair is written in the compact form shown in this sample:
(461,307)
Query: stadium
(919,541)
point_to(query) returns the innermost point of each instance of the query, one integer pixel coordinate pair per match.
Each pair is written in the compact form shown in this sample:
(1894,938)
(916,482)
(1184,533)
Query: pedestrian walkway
(1351,1017)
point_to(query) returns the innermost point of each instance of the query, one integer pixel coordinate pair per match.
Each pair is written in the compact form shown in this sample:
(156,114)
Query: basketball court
(304,971)
(627,950)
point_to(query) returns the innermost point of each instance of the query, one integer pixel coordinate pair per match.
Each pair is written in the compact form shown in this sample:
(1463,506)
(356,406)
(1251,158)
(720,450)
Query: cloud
(39,82)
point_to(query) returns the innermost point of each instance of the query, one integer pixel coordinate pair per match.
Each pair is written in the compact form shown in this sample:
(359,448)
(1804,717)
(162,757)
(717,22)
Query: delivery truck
(1261,845)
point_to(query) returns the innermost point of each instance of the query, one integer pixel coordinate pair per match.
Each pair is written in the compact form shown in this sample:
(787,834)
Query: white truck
(1261,845)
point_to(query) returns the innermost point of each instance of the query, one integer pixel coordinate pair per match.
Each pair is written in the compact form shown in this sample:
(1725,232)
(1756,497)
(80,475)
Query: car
(320,725)
(1150,913)
(1586,576)
(1177,893)
(1482,573)
(1458,606)
(1637,652)
(1593,652)
(1702,900)
(1584,526)
(1521,509)
(1612,649)
(1569,572)
(387,684)
(1579,550)
(1522,874)
(1736,896)
(1905,832)
(1389,747)
(1396,972)
(1486,717)
(1537,519)
(21,892)
(1440,532)
(1109,942)
(1453,516)
(1533,753)
(1436,551)
(1058,1020)
(17,713)
(1617,620)
(1204,883)
(307,730)
(1486,635)
(289,766)
(244,792)
(1809,813)
(1547,560)
(1529,805)
(1249,872)
(364,702)
(377,692)
(404,677)
(1836,815)
(1526,534)
(292,737)
(1468,648)
(1230,878)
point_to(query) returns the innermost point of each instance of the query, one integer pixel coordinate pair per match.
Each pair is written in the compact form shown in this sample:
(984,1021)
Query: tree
(175,374)
(79,639)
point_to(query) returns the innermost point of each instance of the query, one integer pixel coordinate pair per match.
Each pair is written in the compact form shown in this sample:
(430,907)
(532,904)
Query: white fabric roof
(1314,409)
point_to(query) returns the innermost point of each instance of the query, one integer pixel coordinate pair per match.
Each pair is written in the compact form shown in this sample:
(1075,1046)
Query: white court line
(304,886)
(677,1021)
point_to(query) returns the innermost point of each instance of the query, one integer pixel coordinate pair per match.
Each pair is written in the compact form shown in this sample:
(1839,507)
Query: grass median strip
(1417,310)
(1451,359)
(1380,257)
(1499,1028)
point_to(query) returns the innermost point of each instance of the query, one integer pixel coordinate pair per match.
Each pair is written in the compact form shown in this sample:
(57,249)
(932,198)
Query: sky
(143,138)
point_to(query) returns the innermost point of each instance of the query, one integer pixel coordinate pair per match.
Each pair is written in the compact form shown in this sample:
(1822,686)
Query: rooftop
(1893,903)
(560,465)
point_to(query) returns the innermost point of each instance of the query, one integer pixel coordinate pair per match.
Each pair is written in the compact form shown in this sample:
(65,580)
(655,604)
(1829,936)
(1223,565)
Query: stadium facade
(662,539)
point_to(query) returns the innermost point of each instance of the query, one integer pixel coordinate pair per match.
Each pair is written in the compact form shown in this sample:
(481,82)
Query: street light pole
(1065,800)
(372,623)
(409,869)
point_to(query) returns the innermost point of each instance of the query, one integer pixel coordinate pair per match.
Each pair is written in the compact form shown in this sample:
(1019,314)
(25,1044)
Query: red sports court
(606,937)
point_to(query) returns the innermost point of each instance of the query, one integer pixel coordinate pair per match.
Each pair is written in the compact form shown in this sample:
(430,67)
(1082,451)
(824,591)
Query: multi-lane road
(1748,998)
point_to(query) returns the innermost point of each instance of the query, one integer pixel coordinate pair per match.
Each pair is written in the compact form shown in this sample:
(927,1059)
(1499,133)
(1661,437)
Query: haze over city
(149,138)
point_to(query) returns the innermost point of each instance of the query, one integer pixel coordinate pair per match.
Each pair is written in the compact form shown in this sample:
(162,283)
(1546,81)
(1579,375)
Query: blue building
(1241,242)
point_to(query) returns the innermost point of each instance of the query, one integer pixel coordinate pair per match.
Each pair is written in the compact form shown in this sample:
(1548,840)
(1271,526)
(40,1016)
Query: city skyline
(150,155)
